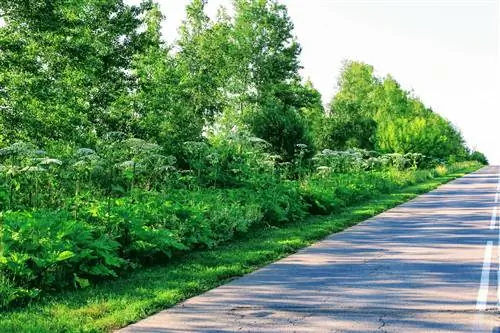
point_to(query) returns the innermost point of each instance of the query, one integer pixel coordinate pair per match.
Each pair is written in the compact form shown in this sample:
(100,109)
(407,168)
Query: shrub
(93,214)
(50,250)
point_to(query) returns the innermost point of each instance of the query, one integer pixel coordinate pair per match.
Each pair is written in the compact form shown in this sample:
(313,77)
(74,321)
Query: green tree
(311,109)
(406,125)
(372,113)
(279,122)
(157,109)
(64,63)
(273,102)
(265,50)
(351,122)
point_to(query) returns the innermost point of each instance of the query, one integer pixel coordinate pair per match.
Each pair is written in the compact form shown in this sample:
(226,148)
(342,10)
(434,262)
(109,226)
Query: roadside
(115,304)
(415,268)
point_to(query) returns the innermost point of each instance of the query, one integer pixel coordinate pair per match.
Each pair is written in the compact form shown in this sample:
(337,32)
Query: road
(430,265)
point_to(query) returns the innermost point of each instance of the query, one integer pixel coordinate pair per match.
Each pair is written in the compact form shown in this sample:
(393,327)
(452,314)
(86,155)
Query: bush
(281,125)
(326,194)
(95,214)
(50,250)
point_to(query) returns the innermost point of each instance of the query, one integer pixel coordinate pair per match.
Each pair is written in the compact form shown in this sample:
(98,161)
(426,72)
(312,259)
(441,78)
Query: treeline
(377,114)
(119,150)
(72,72)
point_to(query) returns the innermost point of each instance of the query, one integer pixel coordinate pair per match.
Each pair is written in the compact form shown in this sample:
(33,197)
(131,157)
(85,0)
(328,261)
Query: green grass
(114,304)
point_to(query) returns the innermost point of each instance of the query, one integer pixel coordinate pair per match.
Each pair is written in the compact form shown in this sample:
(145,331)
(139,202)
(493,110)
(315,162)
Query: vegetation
(113,304)
(118,151)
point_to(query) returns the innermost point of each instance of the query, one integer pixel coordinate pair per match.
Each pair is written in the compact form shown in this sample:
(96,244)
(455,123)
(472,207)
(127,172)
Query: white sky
(447,51)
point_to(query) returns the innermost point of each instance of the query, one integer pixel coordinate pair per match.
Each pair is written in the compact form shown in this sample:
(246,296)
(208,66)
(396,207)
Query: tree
(273,102)
(311,109)
(155,109)
(406,125)
(65,63)
(280,123)
(265,49)
(347,128)
(203,61)
(372,113)
(351,122)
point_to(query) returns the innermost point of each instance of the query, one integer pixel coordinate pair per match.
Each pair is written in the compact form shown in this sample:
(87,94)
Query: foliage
(50,250)
(118,208)
(351,123)
(377,114)
(64,63)
(118,150)
(108,306)
(282,126)
(478,156)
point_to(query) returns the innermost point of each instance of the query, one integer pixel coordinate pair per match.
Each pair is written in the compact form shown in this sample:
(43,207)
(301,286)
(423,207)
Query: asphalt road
(430,265)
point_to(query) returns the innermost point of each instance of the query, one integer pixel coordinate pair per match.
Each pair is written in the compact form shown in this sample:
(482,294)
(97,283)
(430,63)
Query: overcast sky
(447,51)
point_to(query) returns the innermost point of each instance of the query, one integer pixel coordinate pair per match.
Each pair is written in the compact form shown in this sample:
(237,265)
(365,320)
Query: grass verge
(114,304)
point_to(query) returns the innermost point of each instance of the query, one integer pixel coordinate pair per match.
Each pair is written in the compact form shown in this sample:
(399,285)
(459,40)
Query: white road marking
(493,218)
(498,271)
(482,296)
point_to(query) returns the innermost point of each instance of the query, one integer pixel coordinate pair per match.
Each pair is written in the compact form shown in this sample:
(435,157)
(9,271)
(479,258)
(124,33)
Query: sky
(446,51)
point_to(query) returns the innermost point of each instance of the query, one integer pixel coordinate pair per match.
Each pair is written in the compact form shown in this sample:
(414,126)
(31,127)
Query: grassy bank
(116,303)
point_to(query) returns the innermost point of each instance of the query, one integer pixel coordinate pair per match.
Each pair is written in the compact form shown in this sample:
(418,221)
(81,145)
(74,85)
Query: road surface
(430,265)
